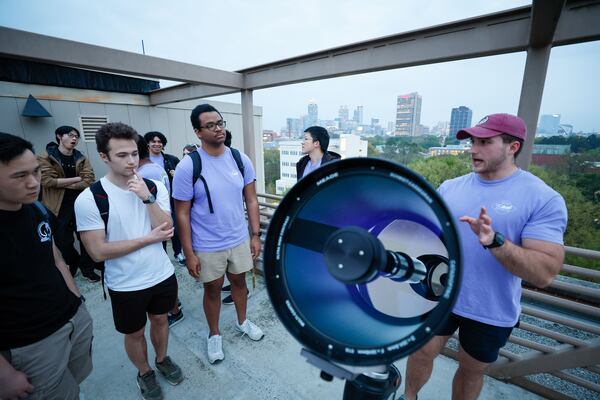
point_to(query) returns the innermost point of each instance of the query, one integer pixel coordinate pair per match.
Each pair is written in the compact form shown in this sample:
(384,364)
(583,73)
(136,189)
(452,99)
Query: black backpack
(197,163)
(101,199)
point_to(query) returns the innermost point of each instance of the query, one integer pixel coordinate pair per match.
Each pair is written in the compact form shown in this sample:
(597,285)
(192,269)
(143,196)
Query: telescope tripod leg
(374,388)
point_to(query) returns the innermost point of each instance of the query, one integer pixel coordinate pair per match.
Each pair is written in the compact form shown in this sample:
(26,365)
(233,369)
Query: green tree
(583,229)
(272,172)
(438,169)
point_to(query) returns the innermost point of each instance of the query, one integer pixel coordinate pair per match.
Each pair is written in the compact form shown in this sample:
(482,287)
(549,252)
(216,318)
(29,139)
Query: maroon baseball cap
(494,125)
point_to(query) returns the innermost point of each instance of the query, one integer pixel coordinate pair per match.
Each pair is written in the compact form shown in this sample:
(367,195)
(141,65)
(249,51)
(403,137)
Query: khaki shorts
(57,364)
(236,260)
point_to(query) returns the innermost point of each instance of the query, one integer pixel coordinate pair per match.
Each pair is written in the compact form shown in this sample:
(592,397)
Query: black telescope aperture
(362,261)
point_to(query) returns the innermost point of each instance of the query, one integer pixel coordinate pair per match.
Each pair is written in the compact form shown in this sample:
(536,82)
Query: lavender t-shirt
(310,167)
(521,206)
(158,160)
(154,171)
(227,227)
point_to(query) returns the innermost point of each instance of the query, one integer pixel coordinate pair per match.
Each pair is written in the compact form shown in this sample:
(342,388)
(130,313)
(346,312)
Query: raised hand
(481,226)
(137,185)
(161,233)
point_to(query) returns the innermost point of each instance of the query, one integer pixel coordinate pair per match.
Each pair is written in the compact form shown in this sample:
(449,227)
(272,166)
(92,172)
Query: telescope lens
(343,313)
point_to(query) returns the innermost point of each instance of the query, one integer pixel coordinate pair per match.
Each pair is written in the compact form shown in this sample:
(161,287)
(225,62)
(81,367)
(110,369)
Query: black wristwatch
(259,233)
(150,199)
(497,242)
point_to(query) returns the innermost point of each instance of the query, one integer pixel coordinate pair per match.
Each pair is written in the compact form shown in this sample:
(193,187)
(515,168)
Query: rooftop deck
(269,369)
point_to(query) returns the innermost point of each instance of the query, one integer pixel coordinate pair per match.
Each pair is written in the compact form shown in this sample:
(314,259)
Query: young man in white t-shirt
(138,272)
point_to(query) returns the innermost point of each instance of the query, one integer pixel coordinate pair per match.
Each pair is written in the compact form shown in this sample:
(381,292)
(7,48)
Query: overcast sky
(236,34)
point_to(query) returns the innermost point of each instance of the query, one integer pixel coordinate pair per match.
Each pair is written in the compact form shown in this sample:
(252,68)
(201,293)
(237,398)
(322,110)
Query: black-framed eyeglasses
(211,126)
(73,135)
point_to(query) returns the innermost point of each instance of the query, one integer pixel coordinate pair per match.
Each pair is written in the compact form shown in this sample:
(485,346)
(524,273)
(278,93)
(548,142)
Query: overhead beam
(32,46)
(492,34)
(187,91)
(578,23)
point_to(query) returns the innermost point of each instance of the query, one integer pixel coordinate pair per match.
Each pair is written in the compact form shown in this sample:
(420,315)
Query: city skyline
(234,34)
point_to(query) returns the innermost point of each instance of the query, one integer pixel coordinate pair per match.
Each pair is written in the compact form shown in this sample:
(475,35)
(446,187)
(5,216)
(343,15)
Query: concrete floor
(269,369)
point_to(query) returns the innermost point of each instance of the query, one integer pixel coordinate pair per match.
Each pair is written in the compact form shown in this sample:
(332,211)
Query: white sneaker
(180,258)
(215,349)
(248,328)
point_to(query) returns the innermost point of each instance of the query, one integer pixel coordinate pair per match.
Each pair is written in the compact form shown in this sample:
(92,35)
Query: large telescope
(362,264)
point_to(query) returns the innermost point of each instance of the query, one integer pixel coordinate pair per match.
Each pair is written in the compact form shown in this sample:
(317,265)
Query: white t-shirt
(128,219)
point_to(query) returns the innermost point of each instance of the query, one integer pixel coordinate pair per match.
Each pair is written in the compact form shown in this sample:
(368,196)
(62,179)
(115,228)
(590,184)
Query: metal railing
(557,342)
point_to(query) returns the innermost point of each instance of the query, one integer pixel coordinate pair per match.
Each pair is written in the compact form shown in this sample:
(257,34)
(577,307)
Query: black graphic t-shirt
(68,165)
(34,298)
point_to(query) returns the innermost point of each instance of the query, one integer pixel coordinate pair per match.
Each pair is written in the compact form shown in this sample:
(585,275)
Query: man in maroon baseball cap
(512,229)
(496,141)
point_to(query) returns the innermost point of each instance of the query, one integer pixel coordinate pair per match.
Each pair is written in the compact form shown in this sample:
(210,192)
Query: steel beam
(32,46)
(545,15)
(187,91)
(248,125)
(498,33)
(491,34)
(532,89)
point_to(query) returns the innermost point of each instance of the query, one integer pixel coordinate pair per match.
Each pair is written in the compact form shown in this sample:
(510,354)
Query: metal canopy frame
(534,29)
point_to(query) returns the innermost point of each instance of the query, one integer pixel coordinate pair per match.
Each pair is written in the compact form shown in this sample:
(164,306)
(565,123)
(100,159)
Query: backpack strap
(151,186)
(42,210)
(197,174)
(237,157)
(101,199)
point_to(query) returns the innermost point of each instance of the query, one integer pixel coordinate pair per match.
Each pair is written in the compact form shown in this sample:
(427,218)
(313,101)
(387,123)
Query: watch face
(151,199)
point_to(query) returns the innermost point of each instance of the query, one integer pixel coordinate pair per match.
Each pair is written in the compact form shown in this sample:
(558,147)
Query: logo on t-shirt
(503,207)
(44,231)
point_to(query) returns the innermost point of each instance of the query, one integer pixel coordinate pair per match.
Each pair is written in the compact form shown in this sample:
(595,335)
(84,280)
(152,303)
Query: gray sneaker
(149,386)
(170,371)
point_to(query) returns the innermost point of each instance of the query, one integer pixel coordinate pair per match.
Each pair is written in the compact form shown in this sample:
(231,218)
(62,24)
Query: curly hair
(113,130)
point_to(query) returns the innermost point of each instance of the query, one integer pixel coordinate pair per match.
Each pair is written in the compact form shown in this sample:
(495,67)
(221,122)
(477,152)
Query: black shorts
(481,341)
(130,308)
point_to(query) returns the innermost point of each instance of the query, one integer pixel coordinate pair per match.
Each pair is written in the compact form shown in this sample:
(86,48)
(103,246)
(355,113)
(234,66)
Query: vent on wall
(90,124)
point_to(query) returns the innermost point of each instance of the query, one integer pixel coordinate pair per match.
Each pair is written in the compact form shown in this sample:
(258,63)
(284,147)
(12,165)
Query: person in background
(157,143)
(65,173)
(149,170)
(188,148)
(314,146)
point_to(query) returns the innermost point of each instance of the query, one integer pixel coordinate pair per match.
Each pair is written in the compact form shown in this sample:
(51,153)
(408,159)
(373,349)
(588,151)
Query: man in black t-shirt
(66,172)
(45,329)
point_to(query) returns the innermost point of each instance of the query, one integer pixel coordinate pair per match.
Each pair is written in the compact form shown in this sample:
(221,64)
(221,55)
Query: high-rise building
(460,118)
(549,124)
(343,117)
(408,114)
(313,114)
(293,127)
(358,115)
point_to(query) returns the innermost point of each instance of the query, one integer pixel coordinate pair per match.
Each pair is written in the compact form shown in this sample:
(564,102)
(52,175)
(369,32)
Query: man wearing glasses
(66,172)
(213,229)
